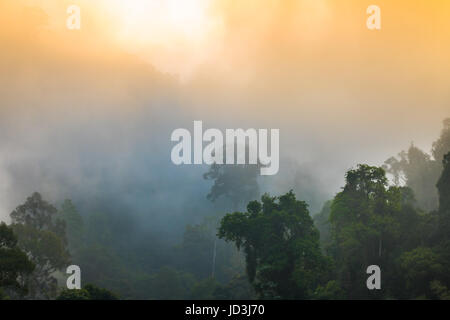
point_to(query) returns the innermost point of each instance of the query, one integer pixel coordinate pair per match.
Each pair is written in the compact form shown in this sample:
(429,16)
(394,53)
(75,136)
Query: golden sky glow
(178,36)
(310,57)
(336,90)
(175,35)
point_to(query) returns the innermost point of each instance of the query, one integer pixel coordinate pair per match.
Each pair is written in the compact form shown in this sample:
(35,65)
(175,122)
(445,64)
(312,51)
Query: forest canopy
(396,217)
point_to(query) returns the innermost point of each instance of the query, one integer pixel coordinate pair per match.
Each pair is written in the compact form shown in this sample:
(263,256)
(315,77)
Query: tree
(74,226)
(442,146)
(96,293)
(205,289)
(89,292)
(281,246)
(15,266)
(443,186)
(238,183)
(171,284)
(420,267)
(39,214)
(424,269)
(371,223)
(419,171)
(197,250)
(443,237)
(439,291)
(203,255)
(73,294)
(331,291)
(41,234)
(238,288)
(322,222)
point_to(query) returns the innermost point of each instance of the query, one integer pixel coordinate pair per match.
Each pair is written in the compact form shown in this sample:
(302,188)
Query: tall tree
(281,246)
(443,248)
(322,222)
(15,267)
(41,234)
(75,228)
(370,224)
(442,146)
(238,183)
(443,186)
(419,170)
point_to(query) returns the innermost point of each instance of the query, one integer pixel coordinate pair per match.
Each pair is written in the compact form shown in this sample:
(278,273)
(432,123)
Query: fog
(86,119)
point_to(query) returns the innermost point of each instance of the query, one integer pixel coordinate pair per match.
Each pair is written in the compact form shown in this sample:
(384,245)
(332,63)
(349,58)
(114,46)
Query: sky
(87,114)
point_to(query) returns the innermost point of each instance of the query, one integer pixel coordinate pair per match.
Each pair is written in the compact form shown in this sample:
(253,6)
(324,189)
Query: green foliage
(197,250)
(15,267)
(202,254)
(238,288)
(274,242)
(371,223)
(205,289)
(281,246)
(170,284)
(74,225)
(89,292)
(39,214)
(3,296)
(441,147)
(443,186)
(322,222)
(73,294)
(420,171)
(420,267)
(96,293)
(41,235)
(439,291)
(331,291)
